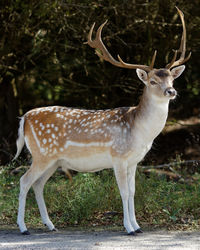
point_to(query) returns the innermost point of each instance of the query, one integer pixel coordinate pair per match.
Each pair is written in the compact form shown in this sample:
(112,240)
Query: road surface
(72,239)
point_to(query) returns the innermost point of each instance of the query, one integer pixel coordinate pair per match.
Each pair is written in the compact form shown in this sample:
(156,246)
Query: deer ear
(176,72)
(142,75)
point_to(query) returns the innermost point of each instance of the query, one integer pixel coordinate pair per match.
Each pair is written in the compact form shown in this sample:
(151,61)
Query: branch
(171,164)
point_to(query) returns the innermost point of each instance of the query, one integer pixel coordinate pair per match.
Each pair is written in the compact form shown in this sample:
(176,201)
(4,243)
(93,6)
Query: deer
(92,140)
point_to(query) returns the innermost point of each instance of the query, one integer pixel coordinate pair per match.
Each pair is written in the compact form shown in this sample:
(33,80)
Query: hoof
(26,232)
(139,230)
(132,233)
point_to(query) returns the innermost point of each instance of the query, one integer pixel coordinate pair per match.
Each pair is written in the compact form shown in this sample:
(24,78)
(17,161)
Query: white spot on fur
(83,120)
(44,141)
(42,150)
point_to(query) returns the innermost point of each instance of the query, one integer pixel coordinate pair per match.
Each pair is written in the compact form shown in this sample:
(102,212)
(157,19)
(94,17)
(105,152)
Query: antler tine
(98,35)
(89,41)
(173,60)
(98,44)
(182,48)
(153,59)
(183,38)
(103,53)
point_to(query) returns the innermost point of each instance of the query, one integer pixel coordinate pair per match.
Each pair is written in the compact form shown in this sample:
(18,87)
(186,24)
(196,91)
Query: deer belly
(87,159)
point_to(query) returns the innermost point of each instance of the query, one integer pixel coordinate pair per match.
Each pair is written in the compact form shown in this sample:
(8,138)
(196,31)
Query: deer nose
(170,92)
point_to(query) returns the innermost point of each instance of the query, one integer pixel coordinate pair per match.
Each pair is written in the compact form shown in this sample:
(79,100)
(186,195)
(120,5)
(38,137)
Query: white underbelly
(91,159)
(92,163)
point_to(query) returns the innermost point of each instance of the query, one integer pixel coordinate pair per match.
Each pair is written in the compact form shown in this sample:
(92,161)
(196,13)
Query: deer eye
(153,82)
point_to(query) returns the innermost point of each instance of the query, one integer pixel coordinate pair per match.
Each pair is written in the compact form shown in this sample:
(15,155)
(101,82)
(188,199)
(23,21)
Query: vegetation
(93,199)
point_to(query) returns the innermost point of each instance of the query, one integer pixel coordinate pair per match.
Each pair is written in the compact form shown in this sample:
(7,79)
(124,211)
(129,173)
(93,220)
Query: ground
(79,239)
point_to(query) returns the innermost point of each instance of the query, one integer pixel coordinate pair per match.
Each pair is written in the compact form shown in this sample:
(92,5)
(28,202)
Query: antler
(103,53)
(182,48)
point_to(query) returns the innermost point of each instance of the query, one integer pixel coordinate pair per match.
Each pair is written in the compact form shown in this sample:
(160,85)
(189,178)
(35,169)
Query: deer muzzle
(170,92)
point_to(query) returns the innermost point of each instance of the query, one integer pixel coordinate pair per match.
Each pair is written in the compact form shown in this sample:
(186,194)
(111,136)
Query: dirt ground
(71,239)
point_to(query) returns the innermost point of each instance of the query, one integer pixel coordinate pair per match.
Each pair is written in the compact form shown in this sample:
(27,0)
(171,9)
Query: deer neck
(150,115)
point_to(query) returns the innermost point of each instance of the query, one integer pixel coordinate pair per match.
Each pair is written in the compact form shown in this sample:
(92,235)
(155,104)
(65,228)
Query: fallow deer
(92,140)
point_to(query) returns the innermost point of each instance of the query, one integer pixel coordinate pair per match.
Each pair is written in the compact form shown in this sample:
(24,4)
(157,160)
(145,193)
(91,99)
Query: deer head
(158,81)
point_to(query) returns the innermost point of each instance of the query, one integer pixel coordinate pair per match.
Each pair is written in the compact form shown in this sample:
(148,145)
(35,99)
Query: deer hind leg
(122,181)
(38,187)
(131,186)
(26,181)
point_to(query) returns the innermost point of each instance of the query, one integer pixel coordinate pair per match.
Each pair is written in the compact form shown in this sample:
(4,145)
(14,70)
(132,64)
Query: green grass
(84,201)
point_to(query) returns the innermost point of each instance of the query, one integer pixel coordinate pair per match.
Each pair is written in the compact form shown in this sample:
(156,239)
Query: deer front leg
(120,170)
(131,186)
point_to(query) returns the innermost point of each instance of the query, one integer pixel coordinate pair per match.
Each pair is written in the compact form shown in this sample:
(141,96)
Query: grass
(93,199)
